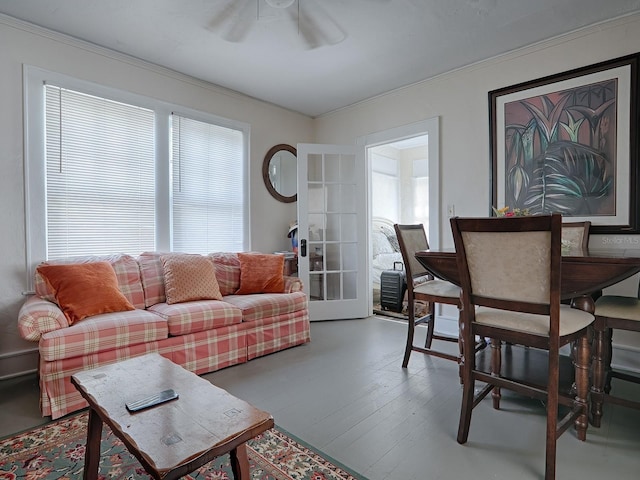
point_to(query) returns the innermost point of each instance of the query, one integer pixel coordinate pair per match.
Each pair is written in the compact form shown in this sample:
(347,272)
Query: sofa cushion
(152,276)
(265,305)
(260,273)
(227,271)
(85,289)
(126,269)
(192,317)
(189,277)
(101,333)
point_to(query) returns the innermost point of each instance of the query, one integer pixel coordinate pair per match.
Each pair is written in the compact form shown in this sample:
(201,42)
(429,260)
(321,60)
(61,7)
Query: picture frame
(568,143)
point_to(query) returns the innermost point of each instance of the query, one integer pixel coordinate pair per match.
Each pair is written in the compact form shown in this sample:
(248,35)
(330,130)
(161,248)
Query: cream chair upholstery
(612,312)
(422,286)
(510,278)
(576,234)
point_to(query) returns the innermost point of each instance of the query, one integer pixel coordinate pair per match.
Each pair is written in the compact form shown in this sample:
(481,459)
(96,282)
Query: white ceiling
(370,46)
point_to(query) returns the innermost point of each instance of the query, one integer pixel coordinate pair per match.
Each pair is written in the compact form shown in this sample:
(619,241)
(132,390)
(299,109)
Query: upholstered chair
(510,278)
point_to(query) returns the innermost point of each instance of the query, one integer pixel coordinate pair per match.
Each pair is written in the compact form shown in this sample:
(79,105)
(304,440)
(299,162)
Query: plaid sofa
(202,336)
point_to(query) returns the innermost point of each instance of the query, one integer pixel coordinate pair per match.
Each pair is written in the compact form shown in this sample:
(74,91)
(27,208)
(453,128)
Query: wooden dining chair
(576,234)
(510,278)
(411,239)
(612,312)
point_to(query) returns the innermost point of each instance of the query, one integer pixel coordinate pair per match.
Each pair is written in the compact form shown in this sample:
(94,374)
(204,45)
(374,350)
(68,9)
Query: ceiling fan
(315,27)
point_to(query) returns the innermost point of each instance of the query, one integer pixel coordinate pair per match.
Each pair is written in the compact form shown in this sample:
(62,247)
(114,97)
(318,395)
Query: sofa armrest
(38,316)
(292,284)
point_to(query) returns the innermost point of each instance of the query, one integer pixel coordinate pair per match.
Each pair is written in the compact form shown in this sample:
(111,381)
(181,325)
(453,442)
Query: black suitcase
(393,285)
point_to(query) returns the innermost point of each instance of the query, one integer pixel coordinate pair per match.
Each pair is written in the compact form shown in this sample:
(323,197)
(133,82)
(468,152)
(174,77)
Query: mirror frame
(265,172)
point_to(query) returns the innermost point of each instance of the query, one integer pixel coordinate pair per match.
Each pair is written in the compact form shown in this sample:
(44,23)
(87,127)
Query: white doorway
(403,178)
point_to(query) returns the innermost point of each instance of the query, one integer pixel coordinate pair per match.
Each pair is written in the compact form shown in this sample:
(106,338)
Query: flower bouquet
(507,212)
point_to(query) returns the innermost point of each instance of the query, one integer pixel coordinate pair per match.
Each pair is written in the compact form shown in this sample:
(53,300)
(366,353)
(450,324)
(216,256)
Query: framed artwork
(568,143)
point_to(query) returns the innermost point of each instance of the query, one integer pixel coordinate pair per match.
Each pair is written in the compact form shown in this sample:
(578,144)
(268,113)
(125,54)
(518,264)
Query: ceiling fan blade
(234,20)
(316,25)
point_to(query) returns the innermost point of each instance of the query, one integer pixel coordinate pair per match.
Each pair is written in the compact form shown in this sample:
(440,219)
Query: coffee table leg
(92,449)
(240,462)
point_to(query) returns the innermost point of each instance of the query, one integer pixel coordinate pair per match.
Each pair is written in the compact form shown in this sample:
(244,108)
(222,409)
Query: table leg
(92,449)
(240,462)
(582,364)
(599,373)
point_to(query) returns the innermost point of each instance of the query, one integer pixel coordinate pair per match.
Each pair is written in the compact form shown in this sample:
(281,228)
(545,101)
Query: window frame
(34,79)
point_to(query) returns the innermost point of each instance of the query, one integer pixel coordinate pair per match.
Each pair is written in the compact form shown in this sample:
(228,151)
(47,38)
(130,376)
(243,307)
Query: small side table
(291,266)
(175,438)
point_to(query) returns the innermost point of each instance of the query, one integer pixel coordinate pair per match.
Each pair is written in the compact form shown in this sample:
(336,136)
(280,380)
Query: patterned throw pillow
(189,277)
(261,273)
(85,289)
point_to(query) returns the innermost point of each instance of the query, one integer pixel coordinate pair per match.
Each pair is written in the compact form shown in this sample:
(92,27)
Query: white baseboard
(625,357)
(15,364)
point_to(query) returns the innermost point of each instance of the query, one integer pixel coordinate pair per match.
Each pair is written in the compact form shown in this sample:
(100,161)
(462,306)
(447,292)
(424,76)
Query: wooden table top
(205,421)
(583,272)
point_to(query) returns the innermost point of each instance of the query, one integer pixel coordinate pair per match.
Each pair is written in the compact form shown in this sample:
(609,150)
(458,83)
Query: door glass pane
(316,227)
(332,170)
(334,286)
(334,198)
(350,285)
(316,286)
(349,256)
(316,198)
(348,197)
(314,167)
(333,228)
(333,256)
(349,228)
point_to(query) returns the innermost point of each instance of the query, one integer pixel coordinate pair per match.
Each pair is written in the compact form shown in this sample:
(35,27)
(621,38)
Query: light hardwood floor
(346,394)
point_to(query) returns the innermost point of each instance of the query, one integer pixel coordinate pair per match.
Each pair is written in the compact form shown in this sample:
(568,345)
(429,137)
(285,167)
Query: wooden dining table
(584,274)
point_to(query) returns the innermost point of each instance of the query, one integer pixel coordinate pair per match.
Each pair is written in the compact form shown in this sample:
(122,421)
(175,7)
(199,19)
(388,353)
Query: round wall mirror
(280,172)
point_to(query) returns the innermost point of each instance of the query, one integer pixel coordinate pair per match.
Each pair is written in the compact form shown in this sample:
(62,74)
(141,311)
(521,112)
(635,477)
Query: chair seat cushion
(571,320)
(614,306)
(439,288)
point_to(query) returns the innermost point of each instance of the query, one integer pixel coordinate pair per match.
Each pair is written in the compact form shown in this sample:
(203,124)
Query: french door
(332,230)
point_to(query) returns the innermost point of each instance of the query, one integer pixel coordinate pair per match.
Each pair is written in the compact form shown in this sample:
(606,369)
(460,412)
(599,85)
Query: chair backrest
(577,234)
(411,239)
(510,263)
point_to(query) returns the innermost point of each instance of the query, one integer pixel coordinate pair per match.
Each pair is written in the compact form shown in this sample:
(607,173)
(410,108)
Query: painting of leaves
(560,151)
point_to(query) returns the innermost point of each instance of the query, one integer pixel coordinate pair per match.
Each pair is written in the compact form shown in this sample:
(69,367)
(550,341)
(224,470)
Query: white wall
(460,100)
(25,44)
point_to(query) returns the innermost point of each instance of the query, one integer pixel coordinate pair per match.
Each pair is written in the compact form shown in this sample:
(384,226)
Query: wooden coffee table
(171,439)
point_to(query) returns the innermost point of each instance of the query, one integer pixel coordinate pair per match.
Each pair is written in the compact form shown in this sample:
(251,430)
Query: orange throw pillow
(261,273)
(189,277)
(85,289)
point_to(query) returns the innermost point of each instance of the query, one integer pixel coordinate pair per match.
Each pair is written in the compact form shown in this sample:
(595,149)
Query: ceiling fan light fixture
(280,3)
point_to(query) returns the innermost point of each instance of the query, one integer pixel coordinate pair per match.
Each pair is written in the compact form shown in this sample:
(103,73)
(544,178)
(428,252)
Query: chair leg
(608,355)
(468,385)
(410,331)
(552,415)
(460,348)
(430,325)
(496,366)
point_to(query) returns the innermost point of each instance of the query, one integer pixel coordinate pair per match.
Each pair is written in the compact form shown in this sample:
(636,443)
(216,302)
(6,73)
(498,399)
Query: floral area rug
(56,451)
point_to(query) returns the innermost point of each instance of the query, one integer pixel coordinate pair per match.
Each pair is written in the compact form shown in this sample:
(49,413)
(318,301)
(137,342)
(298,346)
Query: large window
(100,188)
(112,172)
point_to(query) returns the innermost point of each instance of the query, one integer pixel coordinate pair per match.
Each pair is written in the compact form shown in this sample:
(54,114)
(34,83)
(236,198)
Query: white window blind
(100,184)
(208,187)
